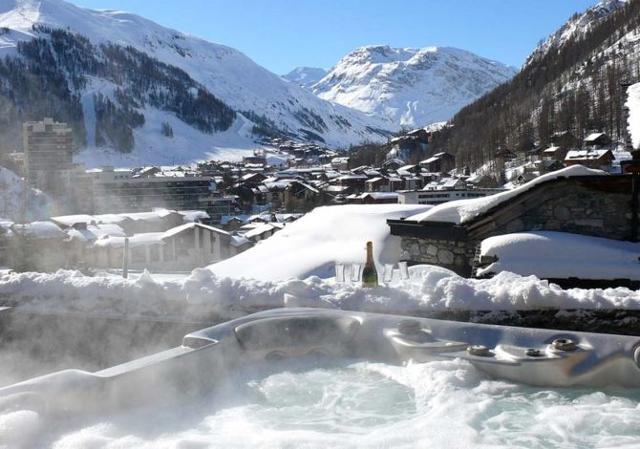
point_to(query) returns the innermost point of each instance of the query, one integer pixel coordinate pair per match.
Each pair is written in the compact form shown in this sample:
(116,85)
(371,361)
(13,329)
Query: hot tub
(326,378)
(539,357)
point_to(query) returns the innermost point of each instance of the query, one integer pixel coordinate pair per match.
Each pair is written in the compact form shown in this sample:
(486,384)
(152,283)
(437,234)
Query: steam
(347,404)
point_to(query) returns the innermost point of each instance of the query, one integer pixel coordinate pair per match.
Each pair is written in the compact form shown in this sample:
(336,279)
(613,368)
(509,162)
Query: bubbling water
(355,404)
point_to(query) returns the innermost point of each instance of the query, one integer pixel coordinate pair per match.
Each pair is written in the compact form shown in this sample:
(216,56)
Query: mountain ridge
(412,86)
(263,101)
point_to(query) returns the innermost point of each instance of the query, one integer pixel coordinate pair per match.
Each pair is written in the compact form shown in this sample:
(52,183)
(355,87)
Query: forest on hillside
(578,87)
(63,64)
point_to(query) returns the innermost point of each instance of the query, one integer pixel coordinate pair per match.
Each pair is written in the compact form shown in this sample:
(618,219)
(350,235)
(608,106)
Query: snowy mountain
(305,76)
(577,26)
(412,87)
(214,99)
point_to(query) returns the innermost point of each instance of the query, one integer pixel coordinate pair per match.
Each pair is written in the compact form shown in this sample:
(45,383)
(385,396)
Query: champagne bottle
(369,273)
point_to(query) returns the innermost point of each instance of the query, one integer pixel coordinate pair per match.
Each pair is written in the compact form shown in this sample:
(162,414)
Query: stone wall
(455,255)
(577,209)
(575,206)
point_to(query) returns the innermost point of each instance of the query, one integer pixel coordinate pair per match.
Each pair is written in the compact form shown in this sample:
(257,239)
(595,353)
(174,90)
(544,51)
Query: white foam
(438,404)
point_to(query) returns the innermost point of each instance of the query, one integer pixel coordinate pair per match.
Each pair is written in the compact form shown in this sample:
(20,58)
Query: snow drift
(560,255)
(313,244)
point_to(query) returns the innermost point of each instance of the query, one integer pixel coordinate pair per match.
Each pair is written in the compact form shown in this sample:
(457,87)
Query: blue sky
(283,34)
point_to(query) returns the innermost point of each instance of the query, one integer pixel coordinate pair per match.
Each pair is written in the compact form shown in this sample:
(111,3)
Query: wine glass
(356,272)
(340,273)
(387,275)
(404,270)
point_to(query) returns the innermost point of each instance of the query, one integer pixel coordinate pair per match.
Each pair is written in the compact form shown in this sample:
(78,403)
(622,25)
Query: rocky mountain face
(122,81)
(412,87)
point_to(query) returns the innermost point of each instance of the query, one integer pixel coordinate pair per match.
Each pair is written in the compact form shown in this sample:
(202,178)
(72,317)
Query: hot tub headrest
(297,331)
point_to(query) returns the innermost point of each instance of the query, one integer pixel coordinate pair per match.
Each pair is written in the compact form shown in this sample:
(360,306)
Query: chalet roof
(462,211)
(39,230)
(379,195)
(239,240)
(140,239)
(351,176)
(593,137)
(586,155)
(70,220)
(407,167)
(188,226)
(259,230)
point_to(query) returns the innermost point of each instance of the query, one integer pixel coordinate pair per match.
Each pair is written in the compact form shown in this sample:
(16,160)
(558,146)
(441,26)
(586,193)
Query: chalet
(37,246)
(442,162)
(564,139)
(253,179)
(157,220)
(593,158)
(355,183)
(554,153)
(568,201)
(184,247)
(340,163)
(377,184)
(392,164)
(409,169)
(300,196)
(597,140)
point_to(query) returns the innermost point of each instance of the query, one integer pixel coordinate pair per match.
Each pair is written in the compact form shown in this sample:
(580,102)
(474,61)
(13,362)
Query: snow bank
(633,103)
(431,289)
(461,211)
(548,254)
(312,244)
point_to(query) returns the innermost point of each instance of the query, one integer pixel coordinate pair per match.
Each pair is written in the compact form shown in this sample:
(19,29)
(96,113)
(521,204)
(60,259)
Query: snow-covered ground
(548,254)
(461,211)
(314,243)
(295,267)
(430,289)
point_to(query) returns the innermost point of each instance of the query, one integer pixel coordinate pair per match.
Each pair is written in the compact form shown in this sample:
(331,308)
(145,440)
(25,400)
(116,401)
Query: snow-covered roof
(460,211)
(194,215)
(584,155)
(227,218)
(141,239)
(70,220)
(327,234)
(259,230)
(593,137)
(187,226)
(105,229)
(380,195)
(633,123)
(581,256)
(551,149)
(407,167)
(39,230)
